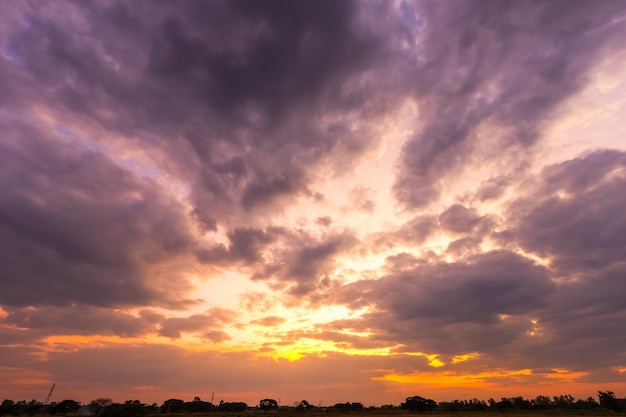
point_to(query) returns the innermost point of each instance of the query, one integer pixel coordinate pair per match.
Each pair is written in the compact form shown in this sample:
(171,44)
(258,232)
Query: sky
(331,200)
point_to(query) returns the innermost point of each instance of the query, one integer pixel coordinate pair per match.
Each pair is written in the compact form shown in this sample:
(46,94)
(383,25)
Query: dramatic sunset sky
(323,200)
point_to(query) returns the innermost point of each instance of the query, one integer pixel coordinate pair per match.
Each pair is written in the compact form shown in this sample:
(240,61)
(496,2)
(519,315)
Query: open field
(404,413)
(388,413)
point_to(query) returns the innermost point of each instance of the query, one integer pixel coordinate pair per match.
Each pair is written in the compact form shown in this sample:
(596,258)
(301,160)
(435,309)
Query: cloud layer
(374,189)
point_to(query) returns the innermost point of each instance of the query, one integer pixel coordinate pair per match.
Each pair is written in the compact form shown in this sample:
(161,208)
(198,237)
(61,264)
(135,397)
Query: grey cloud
(459,219)
(361,201)
(239,102)
(75,227)
(174,327)
(506,63)
(269,321)
(402,262)
(216,336)
(264,190)
(413,232)
(86,320)
(583,233)
(301,48)
(324,221)
(281,255)
(418,229)
(245,245)
(454,301)
(80,320)
(205,222)
(463,246)
(310,262)
(492,188)
(503,305)
(238,119)
(584,173)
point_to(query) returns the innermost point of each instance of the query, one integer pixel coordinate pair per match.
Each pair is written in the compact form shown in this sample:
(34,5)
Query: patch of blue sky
(130,164)
(409,16)
(138,167)
(72,137)
(10,55)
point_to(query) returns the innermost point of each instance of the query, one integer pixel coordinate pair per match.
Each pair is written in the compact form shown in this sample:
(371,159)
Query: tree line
(606,400)
(105,407)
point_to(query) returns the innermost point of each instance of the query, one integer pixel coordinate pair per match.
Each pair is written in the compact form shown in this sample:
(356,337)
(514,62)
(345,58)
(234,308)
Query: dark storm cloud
(492,188)
(462,246)
(414,232)
(293,257)
(85,320)
(459,219)
(575,218)
(74,227)
(504,63)
(227,95)
(244,245)
(454,301)
(270,321)
(418,229)
(300,50)
(312,260)
(217,318)
(133,133)
(265,189)
(324,221)
(271,61)
(305,261)
(80,320)
(501,304)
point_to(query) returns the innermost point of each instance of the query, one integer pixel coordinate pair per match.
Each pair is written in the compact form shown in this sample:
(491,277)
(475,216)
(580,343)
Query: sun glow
(313,347)
(452,378)
(565,374)
(466,357)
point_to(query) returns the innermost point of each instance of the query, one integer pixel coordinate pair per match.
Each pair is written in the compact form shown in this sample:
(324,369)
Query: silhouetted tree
(564,402)
(303,406)
(173,405)
(419,404)
(96,406)
(7,407)
(65,406)
(608,401)
(32,407)
(343,407)
(541,403)
(466,405)
(268,404)
(237,407)
(130,408)
(588,404)
(504,404)
(519,403)
(197,406)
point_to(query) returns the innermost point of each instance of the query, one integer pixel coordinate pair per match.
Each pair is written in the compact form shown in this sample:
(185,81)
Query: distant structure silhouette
(47,401)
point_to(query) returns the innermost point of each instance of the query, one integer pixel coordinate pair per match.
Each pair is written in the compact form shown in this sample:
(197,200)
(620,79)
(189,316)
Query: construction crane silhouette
(49,394)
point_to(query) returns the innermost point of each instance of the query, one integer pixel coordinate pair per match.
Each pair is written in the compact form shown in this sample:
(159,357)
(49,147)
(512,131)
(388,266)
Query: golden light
(451,378)
(465,357)
(564,374)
